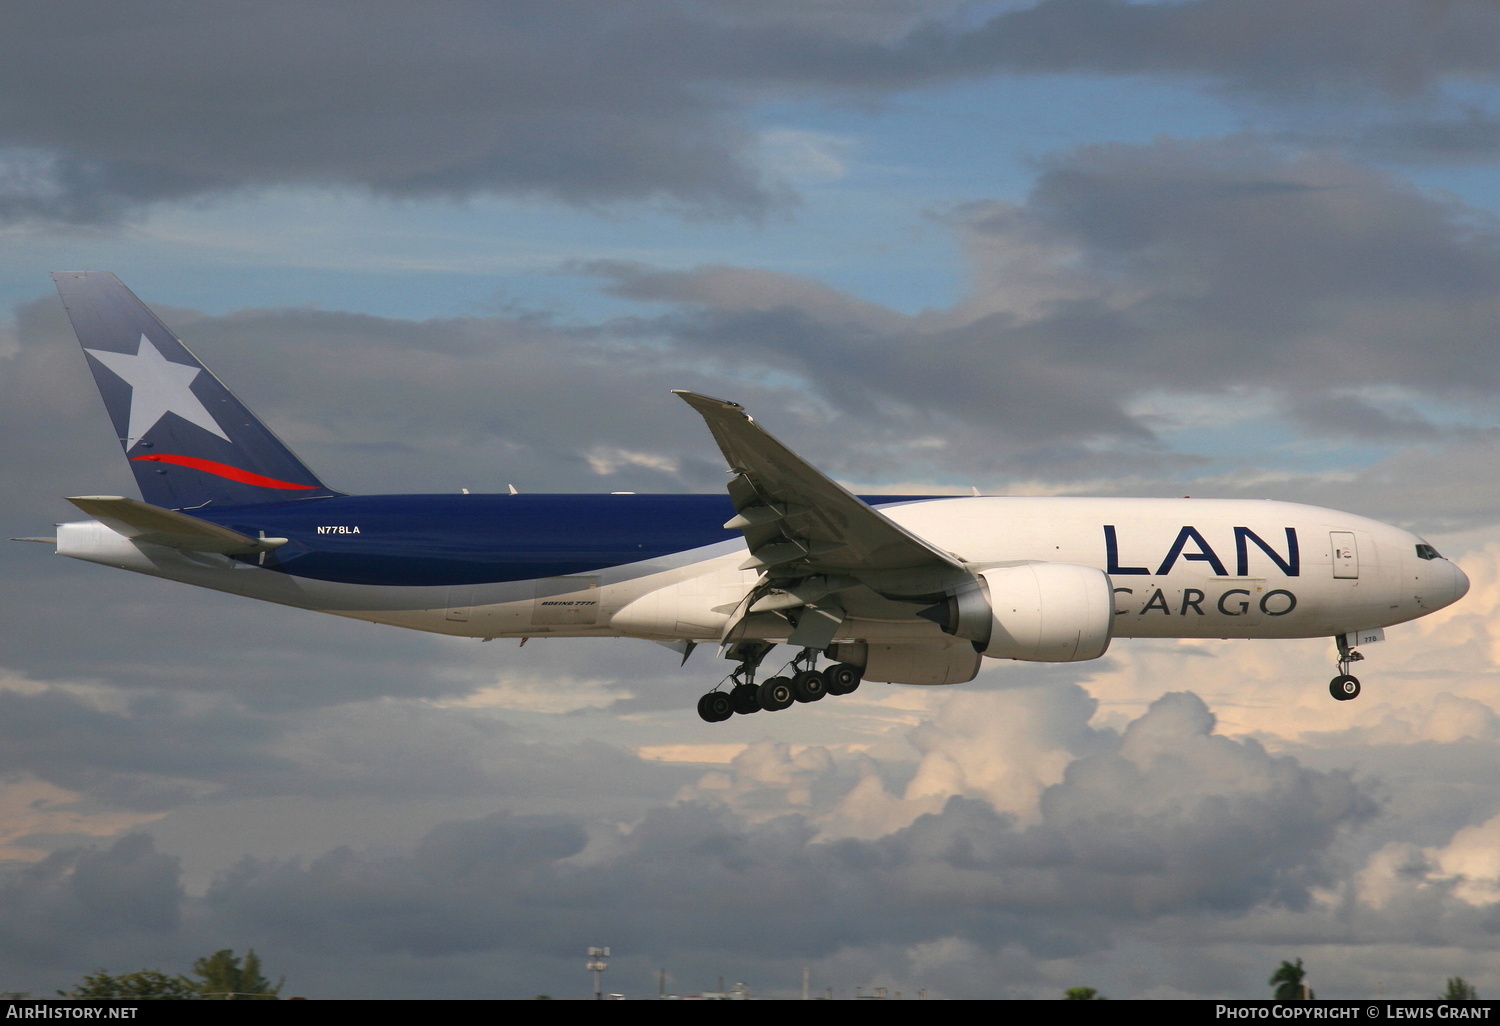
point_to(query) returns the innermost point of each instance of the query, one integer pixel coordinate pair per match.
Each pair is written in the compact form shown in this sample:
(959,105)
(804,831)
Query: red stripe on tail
(222,470)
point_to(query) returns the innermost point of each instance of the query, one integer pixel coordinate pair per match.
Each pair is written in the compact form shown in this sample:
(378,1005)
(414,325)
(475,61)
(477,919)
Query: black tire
(745,698)
(1344,688)
(776,694)
(714,707)
(809,686)
(842,678)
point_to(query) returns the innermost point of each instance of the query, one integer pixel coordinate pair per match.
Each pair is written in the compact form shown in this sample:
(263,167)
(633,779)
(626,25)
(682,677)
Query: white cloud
(605,460)
(806,156)
(540,695)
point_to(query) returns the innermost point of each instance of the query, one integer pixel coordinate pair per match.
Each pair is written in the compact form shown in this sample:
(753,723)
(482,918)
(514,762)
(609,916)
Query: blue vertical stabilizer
(190,442)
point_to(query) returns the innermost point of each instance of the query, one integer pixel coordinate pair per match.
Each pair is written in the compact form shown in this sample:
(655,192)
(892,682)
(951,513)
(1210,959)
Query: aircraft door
(1345,555)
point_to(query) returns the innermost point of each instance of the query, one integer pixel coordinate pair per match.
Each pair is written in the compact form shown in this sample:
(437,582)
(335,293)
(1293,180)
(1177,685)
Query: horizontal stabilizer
(143,522)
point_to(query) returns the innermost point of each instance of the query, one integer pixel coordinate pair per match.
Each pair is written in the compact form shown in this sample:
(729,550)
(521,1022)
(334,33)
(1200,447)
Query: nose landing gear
(1345,687)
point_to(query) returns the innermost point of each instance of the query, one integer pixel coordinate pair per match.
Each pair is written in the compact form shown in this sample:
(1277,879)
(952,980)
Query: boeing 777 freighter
(909,590)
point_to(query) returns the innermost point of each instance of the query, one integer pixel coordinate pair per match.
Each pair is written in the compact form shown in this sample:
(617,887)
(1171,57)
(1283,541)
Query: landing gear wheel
(809,686)
(842,678)
(745,699)
(776,694)
(714,707)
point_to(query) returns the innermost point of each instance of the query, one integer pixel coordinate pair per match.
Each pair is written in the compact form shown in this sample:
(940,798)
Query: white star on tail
(157,387)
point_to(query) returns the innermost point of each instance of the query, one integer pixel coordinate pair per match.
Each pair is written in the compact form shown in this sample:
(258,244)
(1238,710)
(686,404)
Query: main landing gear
(1344,687)
(806,684)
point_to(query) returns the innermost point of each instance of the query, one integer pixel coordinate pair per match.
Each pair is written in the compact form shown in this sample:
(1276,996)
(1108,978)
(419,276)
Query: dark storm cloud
(78,903)
(1166,823)
(107,108)
(156,751)
(585,103)
(1235,263)
(1168,819)
(1469,138)
(1273,47)
(464,887)
(1189,266)
(1175,818)
(148,756)
(1347,416)
(397,749)
(110,107)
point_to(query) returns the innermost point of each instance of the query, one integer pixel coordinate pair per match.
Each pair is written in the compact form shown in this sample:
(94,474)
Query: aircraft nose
(1460,582)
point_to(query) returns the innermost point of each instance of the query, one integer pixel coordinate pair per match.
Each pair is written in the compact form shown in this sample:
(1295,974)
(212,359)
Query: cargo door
(460,601)
(1239,597)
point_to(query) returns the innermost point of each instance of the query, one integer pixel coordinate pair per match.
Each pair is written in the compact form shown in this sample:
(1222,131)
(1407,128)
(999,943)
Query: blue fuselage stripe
(434,540)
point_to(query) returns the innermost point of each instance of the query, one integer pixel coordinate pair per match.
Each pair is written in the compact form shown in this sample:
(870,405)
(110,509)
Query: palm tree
(1288,982)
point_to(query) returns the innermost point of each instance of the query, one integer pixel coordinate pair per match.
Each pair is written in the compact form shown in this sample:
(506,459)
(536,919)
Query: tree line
(1290,983)
(221,976)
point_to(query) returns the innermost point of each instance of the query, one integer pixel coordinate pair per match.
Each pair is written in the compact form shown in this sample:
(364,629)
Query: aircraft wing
(798,522)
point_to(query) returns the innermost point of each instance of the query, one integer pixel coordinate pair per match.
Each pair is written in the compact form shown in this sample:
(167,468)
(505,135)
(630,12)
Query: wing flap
(140,521)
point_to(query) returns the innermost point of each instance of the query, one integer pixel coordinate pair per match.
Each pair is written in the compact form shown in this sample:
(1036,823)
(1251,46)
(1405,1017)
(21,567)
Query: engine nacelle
(1041,612)
(943,662)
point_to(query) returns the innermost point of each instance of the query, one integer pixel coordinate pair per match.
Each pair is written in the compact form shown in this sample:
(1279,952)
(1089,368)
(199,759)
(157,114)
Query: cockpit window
(1425,551)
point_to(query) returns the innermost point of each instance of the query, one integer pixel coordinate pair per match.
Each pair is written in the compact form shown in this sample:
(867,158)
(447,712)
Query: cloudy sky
(1206,247)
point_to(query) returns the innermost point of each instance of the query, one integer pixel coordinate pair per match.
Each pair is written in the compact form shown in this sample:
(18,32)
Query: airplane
(902,589)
